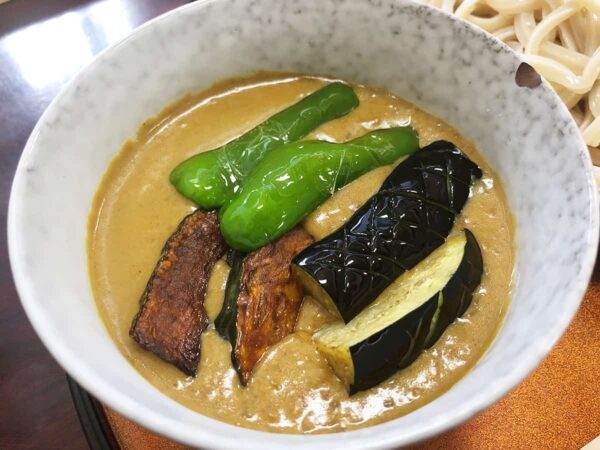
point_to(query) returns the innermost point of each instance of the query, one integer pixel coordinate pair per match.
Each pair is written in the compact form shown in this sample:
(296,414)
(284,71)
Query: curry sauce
(292,389)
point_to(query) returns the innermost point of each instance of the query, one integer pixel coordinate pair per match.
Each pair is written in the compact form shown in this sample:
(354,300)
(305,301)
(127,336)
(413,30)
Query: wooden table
(42,45)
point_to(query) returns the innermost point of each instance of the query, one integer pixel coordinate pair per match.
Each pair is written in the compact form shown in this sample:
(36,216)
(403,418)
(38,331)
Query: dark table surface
(43,43)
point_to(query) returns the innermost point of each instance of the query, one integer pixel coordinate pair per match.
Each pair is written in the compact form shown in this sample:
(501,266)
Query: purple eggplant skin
(396,347)
(403,223)
(381,355)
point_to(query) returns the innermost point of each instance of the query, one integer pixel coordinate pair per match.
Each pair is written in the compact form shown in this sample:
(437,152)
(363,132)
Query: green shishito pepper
(291,182)
(212,178)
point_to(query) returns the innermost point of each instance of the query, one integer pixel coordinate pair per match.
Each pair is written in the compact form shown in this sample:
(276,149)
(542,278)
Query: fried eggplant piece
(410,216)
(269,299)
(407,318)
(172,315)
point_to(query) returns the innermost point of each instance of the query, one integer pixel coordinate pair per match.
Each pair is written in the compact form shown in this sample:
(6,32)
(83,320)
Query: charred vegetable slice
(172,315)
(405,221)
(409,316)
(269,300)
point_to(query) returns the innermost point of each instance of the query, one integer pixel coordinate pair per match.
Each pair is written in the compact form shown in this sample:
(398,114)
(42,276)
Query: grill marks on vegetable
(172,315)
(404,222)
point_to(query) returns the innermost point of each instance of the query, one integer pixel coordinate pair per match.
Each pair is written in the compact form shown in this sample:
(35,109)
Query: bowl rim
(192,435)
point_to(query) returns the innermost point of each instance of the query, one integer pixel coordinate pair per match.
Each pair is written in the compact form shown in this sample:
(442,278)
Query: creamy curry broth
(293,389)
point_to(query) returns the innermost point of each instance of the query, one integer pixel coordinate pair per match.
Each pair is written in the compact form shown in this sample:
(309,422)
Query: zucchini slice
(405,221)
(408,317)
(172,315)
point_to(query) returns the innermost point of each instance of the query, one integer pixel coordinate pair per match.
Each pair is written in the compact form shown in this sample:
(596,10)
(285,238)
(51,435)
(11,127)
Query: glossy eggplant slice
(405,221)
(172,315)
(408,317)
(269,299)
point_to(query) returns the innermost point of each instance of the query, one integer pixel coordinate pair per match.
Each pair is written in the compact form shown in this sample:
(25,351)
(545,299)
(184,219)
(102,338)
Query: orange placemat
(557,407)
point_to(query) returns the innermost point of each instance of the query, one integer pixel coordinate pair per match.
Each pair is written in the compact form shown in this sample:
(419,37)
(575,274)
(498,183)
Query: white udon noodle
(559,38)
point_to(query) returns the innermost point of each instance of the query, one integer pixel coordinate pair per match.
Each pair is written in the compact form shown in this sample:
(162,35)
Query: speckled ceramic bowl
(442,64)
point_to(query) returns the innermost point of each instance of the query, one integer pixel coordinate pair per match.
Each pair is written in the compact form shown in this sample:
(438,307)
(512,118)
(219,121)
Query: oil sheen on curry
(300,254)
